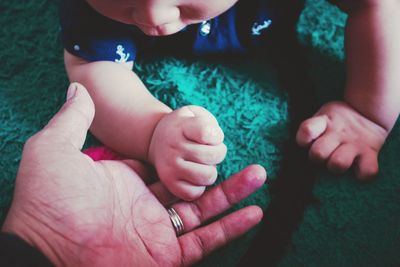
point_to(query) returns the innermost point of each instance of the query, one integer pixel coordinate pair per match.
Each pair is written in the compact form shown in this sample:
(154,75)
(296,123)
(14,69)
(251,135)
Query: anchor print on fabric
(205,28)
(120,52)
(257,28)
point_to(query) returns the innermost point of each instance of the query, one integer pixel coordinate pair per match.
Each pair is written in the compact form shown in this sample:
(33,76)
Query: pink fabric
(101,153)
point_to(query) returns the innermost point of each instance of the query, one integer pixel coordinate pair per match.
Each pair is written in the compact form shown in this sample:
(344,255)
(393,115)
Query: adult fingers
(311,129)
(163,195)
(201,242)
(73,120)
(221,197)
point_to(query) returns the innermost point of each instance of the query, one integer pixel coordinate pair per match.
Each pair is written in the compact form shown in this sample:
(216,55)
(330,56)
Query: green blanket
(348,224)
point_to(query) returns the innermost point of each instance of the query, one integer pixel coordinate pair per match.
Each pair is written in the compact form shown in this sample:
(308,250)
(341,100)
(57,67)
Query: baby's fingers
(324,146)
(311,129)
(193,179)
(203,130)
(367,165)
(187,191)
(197,174)
(204,154)
(342,158)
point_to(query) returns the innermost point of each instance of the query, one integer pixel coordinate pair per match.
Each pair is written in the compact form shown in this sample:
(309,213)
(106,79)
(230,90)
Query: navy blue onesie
(93,37)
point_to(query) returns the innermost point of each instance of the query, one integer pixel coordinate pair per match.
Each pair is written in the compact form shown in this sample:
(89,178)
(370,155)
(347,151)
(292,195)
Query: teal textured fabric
(352,224)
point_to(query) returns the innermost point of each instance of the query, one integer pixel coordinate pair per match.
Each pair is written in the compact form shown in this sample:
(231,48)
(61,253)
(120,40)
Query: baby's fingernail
(71,91)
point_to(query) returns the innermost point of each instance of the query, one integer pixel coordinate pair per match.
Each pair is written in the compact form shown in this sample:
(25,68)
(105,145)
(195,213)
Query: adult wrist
(15,251)
(40,236)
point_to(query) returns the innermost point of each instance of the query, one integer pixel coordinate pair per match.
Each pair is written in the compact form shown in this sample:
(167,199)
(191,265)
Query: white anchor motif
(120,52)
(205,28)
(257,28)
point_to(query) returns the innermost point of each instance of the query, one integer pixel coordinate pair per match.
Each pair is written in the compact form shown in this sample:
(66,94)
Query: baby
(103,37)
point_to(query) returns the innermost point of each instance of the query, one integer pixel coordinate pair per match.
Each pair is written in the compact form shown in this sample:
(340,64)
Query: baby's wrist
(152,148)
(385,122)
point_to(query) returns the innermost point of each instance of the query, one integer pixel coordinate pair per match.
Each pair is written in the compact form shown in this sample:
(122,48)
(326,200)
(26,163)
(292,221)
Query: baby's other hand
(340,136)
(185,148)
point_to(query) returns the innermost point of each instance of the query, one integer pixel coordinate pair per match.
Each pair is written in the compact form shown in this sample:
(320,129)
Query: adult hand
(79,212)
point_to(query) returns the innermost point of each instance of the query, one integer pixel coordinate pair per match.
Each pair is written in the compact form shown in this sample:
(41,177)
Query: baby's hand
(185,148)
(340,136)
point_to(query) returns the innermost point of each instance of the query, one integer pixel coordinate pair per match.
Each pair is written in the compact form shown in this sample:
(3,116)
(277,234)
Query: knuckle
(190,195)
(197,211)
(306,129)
(213,157)
(200,244)
(213,133)
(338,163)
(207,157)
(201,112)
(203,122)
(371,171)
(85,115)
(204,133)
(184,109)
(207,126)
(224,150)
(317,154)
(212,175)
(168,170)
(176,165)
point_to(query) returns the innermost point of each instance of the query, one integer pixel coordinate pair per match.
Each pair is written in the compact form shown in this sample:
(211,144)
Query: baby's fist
(185,148)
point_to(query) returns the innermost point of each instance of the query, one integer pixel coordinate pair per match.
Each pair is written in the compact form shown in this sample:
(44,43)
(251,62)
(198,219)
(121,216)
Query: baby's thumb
(198,111)
(195,111)
(73,120)
(311,129)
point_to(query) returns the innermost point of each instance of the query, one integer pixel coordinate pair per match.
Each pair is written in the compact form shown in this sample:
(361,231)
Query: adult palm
(81,212)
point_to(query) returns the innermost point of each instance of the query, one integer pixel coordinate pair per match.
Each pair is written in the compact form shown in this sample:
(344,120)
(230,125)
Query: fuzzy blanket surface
(346,224)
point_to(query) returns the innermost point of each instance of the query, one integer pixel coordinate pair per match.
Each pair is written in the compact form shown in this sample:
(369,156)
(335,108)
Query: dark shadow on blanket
(292,191)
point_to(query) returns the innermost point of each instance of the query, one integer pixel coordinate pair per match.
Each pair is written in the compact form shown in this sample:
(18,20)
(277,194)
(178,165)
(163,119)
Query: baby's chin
(162,30)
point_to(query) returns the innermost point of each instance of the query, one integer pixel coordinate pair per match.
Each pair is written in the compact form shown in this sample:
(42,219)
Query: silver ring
(176,221)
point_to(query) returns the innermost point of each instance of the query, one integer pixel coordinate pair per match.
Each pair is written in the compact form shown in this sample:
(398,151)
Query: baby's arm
(353,131)
(373,60)
(127,116)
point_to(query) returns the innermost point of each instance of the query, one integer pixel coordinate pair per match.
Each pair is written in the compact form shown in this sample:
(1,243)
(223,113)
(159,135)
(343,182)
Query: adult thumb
(73,120)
